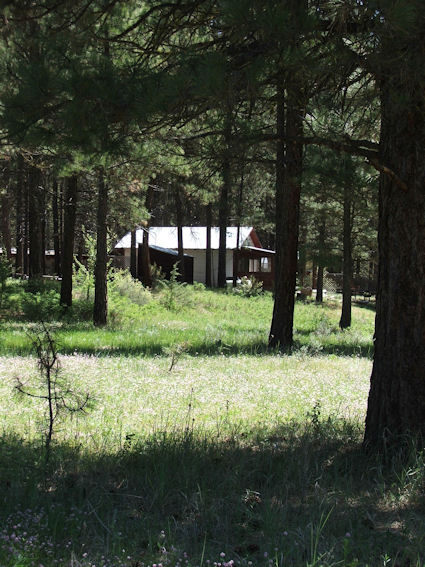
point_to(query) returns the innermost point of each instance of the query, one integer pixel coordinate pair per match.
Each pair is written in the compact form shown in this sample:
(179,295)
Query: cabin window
(266,264)
(254,265)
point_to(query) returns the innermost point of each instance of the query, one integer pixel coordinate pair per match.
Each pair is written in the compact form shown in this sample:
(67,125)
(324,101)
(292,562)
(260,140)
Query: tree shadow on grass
(295,492)
(195,347)
(369,305)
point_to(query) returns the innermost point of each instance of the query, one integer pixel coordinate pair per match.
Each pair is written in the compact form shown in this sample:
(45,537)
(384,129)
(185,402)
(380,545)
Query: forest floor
(198,447)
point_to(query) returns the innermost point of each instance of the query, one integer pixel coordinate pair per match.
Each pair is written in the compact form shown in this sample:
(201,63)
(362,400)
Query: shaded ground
(297,493)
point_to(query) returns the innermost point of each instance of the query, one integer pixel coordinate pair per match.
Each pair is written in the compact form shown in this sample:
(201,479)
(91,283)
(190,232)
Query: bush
(174,293)
(248,287)
(81,310)
(198,286)
(125,285)
(42,306)
(157,276)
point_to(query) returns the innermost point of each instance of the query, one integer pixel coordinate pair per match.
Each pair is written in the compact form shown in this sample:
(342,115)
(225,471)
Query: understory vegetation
(194,452)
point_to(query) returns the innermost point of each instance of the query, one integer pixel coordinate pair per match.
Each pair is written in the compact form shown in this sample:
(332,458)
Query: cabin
(245,255)
(48,266)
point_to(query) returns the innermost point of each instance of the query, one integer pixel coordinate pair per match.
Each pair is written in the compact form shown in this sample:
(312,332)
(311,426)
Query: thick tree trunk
(288,190)
(319,288)
(60,216)
(347,270)
(179,218)
(20,216)
(44,182)
(314,275)
(5,211)
(56,235)
(70,211)
(133,255)
(223,206)
(100,310)
(238,232)
(320,267)
(208,258)
(26,242)
(396,405)
(35,221)
(145,261)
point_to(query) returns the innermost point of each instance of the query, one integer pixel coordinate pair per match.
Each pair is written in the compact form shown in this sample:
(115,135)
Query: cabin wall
(199,259)
(123,262)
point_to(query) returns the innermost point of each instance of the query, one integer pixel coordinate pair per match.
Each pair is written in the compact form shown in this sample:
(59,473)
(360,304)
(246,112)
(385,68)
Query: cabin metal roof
(194,237)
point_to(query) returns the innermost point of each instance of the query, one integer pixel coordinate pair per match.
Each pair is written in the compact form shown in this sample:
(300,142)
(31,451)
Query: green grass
(208,322)
(236,450)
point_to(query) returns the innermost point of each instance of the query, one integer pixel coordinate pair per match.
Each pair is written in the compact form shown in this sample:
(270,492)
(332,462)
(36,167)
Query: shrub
(174,293)
(81,310)
(124,284)
(42,306)
(248,287)
(157,276)
(198,286)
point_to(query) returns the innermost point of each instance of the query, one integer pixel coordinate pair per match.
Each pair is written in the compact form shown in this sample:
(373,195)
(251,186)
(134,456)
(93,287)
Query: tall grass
(234,456)
(209,322)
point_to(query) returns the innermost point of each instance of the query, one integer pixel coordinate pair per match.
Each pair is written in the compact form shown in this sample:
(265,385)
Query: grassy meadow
(199,447)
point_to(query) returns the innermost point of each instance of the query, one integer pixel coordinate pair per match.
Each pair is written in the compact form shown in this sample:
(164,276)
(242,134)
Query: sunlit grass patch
(139,394)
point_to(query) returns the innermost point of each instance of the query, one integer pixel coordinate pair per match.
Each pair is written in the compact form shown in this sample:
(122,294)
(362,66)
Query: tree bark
(35,221)
(26,242)
(238,232)
(347,266)
(56,235)
(133,255)
(179,218)
(208,257)
(396,405)
(320,267)
(20,215)
(319,288)
(314,275)
(70,211)
(44,182)
(288,190)
(223,206)
(145,262)
(100,310)
(5,211)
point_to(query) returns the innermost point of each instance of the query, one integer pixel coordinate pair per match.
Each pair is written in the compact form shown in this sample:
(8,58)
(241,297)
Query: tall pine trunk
(5,211)
(320,267)
(319,285)
(288,190)
(145,261)
(238,231)
(100,310)
(133,254)
(396,405)
(20,215)
(35,224)
(223,206)
(70,211)
(208,255)
(44,182)
(347,268)
(26,242)
(56,234)
(180,248)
